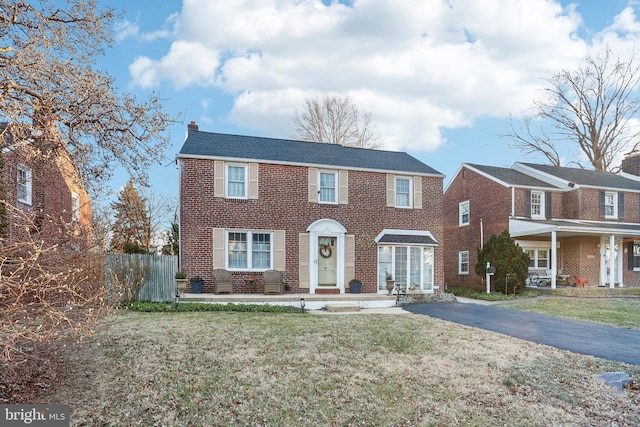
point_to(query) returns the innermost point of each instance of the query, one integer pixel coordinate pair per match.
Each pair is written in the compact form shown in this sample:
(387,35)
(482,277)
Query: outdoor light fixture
(302,304)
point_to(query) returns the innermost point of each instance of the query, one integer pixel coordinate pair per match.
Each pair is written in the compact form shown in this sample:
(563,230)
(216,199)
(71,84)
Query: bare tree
(335,120)
(592,109)
(49,83)
(160,209)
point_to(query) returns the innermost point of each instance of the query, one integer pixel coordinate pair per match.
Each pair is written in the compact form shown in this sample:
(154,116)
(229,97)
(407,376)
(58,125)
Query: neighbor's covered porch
(592,253)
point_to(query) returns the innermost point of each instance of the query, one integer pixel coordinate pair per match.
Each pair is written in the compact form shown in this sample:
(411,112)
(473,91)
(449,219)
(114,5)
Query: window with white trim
(610,204)
(539,258)
(463,262)
(249,250)
(463,213)
(635,256)
(328,187)
(75,207)
(411,267)
(236,181)
(24,184)
(537,204)
(403,192)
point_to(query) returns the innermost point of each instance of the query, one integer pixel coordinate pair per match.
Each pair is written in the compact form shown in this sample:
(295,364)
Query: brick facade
(49,217)
(283,204)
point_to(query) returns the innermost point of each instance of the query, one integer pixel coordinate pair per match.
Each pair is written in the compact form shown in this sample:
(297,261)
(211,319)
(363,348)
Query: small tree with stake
(508,258)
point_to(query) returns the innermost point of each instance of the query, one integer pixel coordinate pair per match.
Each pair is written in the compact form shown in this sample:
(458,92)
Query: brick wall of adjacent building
(283,205)
(489,208)
(49,217)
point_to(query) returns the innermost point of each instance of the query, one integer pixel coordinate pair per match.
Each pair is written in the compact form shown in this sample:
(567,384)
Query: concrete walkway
(618,344)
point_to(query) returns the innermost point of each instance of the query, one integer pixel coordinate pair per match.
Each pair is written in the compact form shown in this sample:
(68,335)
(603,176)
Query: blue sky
(441,77)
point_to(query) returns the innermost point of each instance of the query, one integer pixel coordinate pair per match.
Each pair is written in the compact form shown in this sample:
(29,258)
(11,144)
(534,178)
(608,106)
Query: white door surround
(326,228)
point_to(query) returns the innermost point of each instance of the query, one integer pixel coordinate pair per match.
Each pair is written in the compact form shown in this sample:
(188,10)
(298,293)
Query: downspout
(481,234)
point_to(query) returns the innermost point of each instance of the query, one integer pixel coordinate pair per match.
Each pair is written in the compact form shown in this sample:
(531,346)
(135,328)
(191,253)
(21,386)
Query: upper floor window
(328,182)
(75,207)
(610,204)
(463,212)
(249,250)
(236,182)
(537,204)
(24,184)
(403,192)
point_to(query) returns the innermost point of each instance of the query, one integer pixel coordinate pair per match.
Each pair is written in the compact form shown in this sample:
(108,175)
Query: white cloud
(420,66)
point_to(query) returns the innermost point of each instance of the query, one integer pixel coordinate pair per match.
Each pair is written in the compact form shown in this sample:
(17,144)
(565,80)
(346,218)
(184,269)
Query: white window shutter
(343,189)
(417,192)
(313,185)
(218,178)
(218,248)
(303,261)
(391,190)
(253,180)
(349,258)
(279,250)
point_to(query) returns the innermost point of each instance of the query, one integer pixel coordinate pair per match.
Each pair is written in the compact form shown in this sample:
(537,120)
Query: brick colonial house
(571,221)
(45,195)
(321,214)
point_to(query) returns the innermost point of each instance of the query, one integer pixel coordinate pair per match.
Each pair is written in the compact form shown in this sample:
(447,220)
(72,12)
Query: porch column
(612,265)
(554,259)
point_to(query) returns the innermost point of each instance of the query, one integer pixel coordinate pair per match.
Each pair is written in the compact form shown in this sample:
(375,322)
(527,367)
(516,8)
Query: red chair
(580,281)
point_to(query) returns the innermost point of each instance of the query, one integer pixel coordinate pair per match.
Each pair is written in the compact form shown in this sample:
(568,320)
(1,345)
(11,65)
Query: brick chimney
(193,126)
(631,163)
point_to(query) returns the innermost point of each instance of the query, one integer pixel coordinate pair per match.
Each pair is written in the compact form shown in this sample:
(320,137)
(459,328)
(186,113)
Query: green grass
(246,368)
(620,312)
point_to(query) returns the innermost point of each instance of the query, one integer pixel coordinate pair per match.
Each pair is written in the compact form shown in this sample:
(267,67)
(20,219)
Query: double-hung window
(610,204)
(24,184)
(539,258)
(463,262)
(403,192)
(634,260)
(463,212)
(75,207)
(537,204)
(236,182)
(328,187)
(249,250)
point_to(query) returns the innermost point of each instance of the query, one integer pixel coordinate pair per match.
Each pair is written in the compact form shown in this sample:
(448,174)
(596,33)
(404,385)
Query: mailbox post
(490,272)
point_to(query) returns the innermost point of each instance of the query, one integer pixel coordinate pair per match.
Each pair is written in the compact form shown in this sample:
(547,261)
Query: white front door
(327,261)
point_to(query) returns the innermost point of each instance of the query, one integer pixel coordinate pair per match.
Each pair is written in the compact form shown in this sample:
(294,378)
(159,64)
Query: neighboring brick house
(45,196)
(571,221)
(322,214)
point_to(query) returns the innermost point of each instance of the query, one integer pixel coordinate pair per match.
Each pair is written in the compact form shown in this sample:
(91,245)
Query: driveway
(607,342)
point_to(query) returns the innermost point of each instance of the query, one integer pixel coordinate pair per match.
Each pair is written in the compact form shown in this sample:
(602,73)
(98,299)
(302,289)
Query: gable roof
(510,176)
(584,177)
(283,151)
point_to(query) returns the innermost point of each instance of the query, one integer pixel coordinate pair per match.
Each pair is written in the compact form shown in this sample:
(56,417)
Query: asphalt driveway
(607,342)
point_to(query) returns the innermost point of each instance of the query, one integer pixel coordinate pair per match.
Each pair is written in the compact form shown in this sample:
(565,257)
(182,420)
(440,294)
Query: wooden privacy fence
(145,277)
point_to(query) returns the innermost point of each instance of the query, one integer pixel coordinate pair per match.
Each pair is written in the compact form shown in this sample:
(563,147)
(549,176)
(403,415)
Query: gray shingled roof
(512,176)
(217,145)
(408,239)
(587,177)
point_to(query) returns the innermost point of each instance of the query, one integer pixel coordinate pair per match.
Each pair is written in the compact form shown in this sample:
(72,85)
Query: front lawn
(620,312)
(222,368)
